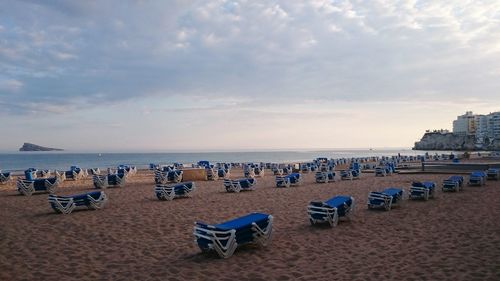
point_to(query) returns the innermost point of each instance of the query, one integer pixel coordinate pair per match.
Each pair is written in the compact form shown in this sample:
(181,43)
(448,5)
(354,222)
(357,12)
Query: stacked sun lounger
(288,180)
(239,184)
(110,180)
(380,171)
(5,177)
(477,178)
(170,192)
(28,187)
(331,210)
(127,170)
(422,190)
(94,171)
(346,175)
(453,183)
(493,174)
(74,173)
(385,199)
(211,173)
(248,172)
(66,204)
(224,238)
(223,172)
(168,176)
(325,177)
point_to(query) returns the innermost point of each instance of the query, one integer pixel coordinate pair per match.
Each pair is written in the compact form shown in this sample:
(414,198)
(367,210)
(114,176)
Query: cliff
(450,141)
(33,147)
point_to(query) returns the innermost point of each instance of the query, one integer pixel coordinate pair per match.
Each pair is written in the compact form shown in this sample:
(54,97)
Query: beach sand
(455,236)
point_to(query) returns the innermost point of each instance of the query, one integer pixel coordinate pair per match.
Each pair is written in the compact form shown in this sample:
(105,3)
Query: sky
(242,75)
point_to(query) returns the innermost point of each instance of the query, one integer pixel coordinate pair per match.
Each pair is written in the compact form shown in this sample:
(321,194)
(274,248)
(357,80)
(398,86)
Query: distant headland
(33,147)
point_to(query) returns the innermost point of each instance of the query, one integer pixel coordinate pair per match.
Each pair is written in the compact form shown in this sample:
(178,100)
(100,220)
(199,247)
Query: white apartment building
(465,124)
(483,127)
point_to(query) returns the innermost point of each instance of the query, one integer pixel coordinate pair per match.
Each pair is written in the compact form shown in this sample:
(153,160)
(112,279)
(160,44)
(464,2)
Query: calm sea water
(63,160)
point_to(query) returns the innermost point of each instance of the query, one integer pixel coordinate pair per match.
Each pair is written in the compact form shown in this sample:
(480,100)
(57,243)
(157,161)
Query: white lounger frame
(249,172)
(380,172)
(261,237)
(331,214)
(67,205)
(168,192)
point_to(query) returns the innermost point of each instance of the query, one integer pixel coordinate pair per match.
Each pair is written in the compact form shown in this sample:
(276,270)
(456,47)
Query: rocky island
(33,147)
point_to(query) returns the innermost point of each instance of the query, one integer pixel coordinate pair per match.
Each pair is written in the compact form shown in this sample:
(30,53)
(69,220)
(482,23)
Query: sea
(20,161)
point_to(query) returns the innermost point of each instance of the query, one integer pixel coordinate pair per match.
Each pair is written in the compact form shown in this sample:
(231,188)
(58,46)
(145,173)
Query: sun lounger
(223,172)
(211,174)
(111,180)
(346,175)
(386,199)
(380,172)
(164,177)
(249,172)
(5,177)
(325,177)
(239,184)
(224,238)
(258,171)
(28,187)
(66,204)
(422,190)
(477,178)
(288,180)
(74,173)
(30,174)
(94,171)
(331,210)
(169,192)
(493,174)
(453,183)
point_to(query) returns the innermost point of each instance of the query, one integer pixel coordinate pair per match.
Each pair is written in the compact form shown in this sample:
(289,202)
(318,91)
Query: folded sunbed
(331,210)
(222,172)
(239,184)
(346,175)
(422,190)
(453,183)
(380,171)
(288,180)
(168,176)
(386,199)
(325,177)
(477,178)
(170,192)
(66,204)
(211,173)
(493,174)
(110,180)
(74,173)
(225,237)
(5,177)
(28,187)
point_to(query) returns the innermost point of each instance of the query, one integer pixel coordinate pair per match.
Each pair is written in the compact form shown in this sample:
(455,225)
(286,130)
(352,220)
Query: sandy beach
(455,236)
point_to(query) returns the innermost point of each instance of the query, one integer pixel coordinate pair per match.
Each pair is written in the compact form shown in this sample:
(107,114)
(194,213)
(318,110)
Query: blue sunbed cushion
(391,191)
(242,221)
(478,174)
(456,178)
(338,201)
(93,194)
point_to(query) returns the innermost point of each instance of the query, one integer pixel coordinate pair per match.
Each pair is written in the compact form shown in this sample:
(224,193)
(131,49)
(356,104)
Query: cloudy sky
(195,75)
